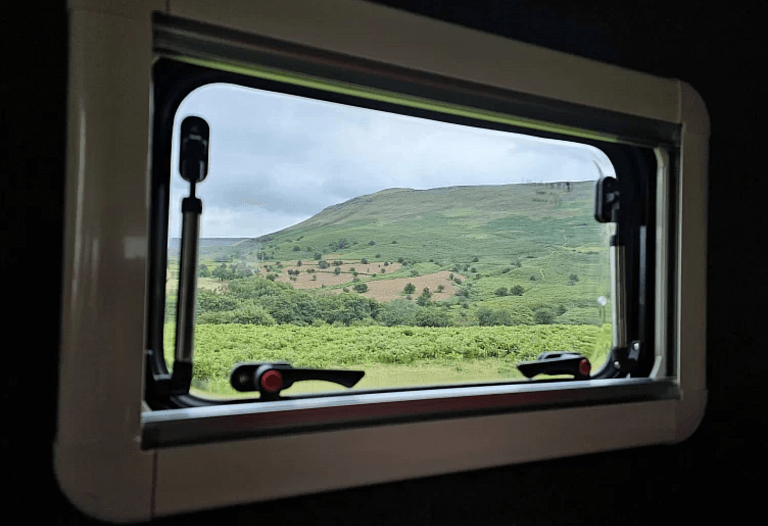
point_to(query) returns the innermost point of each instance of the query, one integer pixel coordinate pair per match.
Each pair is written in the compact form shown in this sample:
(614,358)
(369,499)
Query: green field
(511,271)
(390,356)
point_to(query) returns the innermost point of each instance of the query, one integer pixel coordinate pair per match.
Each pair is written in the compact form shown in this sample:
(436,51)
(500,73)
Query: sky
(276,160)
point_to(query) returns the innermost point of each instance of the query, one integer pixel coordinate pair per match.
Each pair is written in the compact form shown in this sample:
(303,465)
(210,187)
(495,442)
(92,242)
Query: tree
(410,288)
(317,256)
(501,291)
(364,261)
(517,290)
(322,264)
(361,287)
(572,279)
(298,263)
(203,271)
(440,288)
(336,270)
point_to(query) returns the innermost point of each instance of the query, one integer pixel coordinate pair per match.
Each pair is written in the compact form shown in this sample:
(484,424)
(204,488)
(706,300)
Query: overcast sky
(289,158)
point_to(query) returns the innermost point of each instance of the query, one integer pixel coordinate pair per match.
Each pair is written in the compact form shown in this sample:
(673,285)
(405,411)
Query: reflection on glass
(418,251)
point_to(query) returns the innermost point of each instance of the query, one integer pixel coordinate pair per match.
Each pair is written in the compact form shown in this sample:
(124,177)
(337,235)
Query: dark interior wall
(717,50)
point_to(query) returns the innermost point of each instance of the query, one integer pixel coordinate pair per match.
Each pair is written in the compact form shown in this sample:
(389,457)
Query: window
(420,222)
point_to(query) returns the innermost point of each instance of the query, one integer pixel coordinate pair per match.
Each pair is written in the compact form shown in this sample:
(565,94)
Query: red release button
(272,381)
(584,367)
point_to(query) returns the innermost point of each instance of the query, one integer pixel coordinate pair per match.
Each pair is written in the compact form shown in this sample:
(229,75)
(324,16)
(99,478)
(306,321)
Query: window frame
(100,463)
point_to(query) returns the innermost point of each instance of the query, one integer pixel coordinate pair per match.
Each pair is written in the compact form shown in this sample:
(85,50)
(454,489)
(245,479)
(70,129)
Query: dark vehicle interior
(714,50)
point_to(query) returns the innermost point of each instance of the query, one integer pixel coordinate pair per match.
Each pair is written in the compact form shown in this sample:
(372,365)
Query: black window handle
(557,363)
(270,378)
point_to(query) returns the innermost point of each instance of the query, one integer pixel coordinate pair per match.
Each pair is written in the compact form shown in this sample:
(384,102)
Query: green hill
(541,238)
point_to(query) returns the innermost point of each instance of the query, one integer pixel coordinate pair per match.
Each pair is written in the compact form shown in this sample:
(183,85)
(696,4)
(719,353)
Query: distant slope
(451,224)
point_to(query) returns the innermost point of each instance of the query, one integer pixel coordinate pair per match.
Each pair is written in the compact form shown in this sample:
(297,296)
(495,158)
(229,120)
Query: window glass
(421,252)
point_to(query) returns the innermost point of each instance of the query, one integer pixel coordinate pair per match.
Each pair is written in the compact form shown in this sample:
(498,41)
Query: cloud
(298,156)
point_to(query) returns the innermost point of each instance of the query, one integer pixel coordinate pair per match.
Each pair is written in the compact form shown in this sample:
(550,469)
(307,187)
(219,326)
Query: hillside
(541,239)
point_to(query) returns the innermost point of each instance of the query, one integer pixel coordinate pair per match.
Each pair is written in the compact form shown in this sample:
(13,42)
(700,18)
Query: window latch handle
(557,363)
(271,378)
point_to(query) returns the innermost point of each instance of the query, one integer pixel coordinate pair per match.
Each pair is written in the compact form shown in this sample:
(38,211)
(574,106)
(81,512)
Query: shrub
(336,270)
(338,263)
(414,273)
(371,243)
(475,259)
(450,276)
(501,291)
(364,261)
(517,290)
(410,288)
(377,256)
(440,288)
(298,263)
(322,264)
(398,312)
(345,289)
(543,316)
(432,317)
(361,287)
(296,248)
(457,281)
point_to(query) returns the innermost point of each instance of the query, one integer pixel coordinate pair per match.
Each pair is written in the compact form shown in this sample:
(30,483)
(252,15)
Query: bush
(322,264)
(371,243)
(457,281)
(475,259)
(317,256)
(543,316)
(450,276)
(488,317)
(336,270)
(440,288)
(361,287)
(364,261)
(517,290)
(377,256)
(298,263)
(432,317)
(501,291)
(250,314)
(410,288)
(398,312)
(297,248)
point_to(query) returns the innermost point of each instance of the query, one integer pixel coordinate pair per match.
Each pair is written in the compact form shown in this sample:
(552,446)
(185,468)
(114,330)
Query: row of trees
(265,302)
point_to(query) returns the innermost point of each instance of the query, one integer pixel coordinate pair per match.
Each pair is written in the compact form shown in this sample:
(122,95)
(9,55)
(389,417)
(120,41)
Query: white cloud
(299,156)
